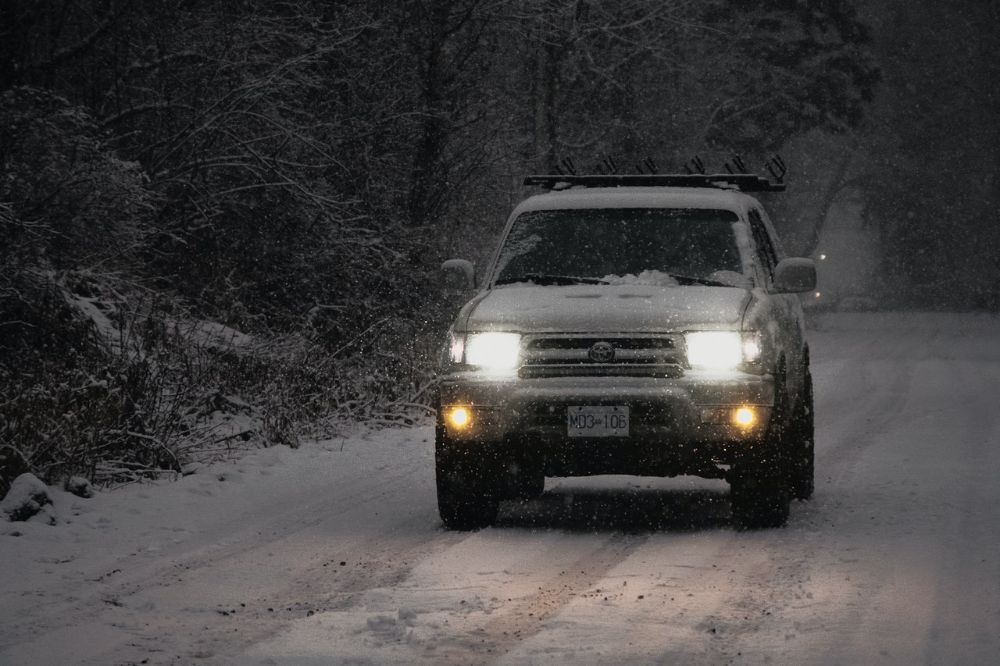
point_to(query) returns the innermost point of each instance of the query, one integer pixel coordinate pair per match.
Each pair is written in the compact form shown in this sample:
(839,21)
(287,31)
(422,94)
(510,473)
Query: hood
(606,308)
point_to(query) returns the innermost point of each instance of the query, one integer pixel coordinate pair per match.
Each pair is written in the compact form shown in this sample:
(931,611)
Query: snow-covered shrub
(101,383)
(27,496)
(79,486)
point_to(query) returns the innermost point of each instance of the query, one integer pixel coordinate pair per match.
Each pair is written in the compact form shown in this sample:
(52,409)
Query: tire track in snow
(526,617)
(661,604)
(469,603)
(703,597)
(339,581)
(372,559)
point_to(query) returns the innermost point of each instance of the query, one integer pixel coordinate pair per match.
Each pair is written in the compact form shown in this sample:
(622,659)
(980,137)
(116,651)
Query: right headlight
(722,350)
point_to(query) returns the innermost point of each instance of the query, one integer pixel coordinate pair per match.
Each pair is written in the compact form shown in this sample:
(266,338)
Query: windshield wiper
(690,279)
(545,278)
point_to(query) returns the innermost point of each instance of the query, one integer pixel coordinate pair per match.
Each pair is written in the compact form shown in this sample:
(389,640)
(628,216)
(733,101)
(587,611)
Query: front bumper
(693,409)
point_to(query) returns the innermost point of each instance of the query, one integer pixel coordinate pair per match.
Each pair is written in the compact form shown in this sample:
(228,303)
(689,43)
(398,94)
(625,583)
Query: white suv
(643,325)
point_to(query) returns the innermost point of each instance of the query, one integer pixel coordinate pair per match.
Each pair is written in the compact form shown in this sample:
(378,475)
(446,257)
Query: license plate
(597,421)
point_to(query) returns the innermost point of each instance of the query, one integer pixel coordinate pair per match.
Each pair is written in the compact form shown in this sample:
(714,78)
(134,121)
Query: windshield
(658,245)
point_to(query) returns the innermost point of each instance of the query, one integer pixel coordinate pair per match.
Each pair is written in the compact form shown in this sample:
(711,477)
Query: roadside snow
(121,540)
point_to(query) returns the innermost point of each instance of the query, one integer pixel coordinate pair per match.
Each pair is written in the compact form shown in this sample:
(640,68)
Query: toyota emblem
(602,352)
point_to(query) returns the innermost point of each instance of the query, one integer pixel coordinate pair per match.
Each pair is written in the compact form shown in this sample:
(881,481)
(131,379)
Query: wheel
(468,491)
(759,488)
(801,450)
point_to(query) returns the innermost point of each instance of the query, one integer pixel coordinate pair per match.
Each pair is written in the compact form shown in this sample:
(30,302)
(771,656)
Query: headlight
(493,351)
(722,350)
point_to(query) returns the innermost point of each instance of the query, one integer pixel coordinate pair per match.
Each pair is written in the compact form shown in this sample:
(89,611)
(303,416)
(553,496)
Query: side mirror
(794,275)
(459,275)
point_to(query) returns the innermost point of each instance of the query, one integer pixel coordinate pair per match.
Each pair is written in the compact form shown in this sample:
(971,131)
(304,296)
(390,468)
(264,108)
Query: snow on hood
(607,308)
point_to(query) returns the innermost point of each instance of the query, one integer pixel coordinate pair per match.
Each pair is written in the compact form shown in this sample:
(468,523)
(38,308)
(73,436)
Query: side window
(765,249)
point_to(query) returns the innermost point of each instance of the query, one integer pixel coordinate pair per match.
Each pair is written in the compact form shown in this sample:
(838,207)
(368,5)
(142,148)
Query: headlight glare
(493,351)
(744,417)
(714,350)
(459,417)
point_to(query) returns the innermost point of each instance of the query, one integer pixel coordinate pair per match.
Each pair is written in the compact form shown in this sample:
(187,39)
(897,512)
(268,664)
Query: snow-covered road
(333,554)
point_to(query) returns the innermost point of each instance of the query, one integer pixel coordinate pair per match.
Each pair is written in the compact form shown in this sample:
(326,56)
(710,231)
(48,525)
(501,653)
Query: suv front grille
(608,356)
(588,342)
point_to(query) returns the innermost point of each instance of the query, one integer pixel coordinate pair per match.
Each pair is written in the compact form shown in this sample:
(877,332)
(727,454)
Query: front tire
(759,487)
(468,491)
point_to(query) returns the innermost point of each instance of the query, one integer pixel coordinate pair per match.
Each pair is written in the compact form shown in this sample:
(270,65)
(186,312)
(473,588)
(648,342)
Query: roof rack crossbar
(744,182)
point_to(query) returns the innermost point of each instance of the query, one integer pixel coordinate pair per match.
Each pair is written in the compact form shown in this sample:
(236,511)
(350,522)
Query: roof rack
(743,182)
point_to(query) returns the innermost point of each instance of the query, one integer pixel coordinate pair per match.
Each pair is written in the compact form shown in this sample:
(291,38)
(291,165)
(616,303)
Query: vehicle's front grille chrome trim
(539,370)
(586,342)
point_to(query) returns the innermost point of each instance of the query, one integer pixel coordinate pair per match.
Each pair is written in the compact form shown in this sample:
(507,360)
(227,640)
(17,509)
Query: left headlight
(722,350)
(493,351)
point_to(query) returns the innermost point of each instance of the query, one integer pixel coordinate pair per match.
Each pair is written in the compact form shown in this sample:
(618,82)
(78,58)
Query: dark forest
(222,222)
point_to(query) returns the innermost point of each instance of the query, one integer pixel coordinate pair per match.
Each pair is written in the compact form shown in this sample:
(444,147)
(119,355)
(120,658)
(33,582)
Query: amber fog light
(744,417)
(459,417)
